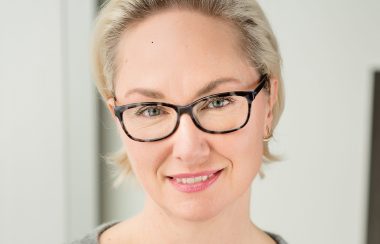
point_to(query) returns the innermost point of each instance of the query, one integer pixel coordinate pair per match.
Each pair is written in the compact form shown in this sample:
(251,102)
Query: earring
(268,135)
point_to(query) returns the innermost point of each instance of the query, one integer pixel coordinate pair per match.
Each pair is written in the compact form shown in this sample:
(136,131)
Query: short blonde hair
(257,41)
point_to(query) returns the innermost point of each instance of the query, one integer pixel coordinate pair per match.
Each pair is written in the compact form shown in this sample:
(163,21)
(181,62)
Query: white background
(47,126)
(48,129)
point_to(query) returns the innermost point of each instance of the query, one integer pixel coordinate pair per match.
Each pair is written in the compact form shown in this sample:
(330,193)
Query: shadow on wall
(373,235)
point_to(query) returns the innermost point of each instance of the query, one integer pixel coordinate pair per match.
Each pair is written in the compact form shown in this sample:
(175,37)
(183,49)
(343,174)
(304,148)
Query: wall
(47,127)
(330,50)
(32,120)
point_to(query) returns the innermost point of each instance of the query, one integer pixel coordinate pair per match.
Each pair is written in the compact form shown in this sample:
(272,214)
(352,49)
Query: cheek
(247,142)
(139,160)
(144,157)
(243,149)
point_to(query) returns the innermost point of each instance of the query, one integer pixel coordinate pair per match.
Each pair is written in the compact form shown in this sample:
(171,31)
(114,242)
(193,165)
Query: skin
(177,53)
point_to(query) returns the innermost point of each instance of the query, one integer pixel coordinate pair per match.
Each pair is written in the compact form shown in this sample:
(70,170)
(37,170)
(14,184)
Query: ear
(272,99)
(110,106)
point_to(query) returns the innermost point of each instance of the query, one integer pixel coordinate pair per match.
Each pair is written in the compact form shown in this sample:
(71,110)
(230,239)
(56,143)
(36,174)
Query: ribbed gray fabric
(92,237)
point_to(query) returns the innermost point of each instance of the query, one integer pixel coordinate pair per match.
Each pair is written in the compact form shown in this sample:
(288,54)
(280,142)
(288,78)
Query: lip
(195,187)
(189,175)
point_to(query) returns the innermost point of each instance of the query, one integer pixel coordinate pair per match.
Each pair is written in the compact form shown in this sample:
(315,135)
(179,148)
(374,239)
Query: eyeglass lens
(214,114)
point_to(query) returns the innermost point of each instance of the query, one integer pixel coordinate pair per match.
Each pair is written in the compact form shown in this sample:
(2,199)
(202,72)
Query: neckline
(102,228)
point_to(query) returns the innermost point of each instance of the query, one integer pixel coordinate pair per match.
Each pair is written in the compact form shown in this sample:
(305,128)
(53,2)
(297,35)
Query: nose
(189,143)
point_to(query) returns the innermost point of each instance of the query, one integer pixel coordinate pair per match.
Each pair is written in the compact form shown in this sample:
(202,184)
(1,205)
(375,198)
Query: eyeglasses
(216,114)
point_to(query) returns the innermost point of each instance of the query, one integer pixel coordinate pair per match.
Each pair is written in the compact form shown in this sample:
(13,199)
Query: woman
(195,89)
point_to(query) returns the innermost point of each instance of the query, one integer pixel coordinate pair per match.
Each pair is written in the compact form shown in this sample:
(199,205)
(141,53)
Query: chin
(195,210)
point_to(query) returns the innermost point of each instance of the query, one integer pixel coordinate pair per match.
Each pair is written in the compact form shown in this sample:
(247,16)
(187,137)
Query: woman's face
(173,55)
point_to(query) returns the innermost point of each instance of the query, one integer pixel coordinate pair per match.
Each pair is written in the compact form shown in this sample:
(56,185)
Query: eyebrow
(214,84)
(204,90)
(146,92)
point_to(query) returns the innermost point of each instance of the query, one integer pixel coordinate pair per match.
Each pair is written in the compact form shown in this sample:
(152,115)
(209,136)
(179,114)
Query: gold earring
(268,135)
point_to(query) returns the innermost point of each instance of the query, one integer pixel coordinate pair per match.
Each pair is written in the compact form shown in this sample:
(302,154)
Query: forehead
(177,52)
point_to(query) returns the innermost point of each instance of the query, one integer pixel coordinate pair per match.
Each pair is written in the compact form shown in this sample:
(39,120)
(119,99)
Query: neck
(157,224)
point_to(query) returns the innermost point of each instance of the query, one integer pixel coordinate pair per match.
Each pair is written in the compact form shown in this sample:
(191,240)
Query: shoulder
(278,239)
(93,236)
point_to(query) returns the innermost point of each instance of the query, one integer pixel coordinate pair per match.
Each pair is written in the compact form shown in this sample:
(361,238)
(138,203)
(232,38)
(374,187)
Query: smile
(194,182)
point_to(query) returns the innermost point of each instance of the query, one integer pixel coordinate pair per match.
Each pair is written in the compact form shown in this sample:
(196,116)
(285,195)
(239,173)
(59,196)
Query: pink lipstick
(189,183)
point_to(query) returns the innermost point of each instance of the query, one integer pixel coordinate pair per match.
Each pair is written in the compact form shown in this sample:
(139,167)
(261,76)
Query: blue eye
(152,111)
(218,102)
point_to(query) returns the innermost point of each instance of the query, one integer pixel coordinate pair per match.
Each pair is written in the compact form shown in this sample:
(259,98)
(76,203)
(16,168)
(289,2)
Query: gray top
(92,237)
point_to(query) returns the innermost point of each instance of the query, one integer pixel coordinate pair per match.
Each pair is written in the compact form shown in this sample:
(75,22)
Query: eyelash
(229,99)
(145,108)
(142,110)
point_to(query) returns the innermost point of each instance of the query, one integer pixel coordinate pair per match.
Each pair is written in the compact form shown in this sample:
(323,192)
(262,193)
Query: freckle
(152,42)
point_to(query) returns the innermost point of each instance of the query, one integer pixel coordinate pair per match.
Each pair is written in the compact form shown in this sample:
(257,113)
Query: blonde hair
(258,42)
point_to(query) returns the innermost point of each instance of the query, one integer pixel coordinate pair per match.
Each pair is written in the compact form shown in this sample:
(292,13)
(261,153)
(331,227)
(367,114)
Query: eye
(218,102)
(151,111)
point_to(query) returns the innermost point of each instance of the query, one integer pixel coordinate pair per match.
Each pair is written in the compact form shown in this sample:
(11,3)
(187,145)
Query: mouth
(194,182)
